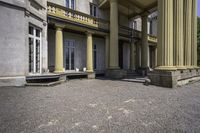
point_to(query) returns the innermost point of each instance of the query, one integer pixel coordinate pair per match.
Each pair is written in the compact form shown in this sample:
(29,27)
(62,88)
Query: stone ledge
(173,79)
(13,81)
(115,73)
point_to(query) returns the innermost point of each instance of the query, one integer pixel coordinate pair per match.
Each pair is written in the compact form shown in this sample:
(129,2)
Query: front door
(69,54)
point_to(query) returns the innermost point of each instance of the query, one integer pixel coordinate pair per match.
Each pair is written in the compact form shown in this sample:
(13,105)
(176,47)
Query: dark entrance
(121,54)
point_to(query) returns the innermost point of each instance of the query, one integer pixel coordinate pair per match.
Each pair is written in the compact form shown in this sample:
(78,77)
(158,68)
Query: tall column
(89,53)
(114,57)
(187,32)
(59,50)
(165,35)
(132,56)
(178,35)
(194,33)
(107,41)
(145,46)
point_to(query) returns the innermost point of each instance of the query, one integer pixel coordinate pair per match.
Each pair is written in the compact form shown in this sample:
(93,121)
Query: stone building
(56,38)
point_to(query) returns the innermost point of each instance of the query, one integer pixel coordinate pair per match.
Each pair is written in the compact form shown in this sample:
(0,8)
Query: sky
(199,8)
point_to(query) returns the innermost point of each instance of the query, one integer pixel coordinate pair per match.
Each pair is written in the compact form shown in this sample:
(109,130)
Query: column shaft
(132,56)
(59,50)
(107,41)
(89,53)
(194,33)
(145,41)
(187,32)
(114,46)
(178,34)
(165,35)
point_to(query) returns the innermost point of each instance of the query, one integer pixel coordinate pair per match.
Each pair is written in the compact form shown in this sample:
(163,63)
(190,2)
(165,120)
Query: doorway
(69,49)
(34,50)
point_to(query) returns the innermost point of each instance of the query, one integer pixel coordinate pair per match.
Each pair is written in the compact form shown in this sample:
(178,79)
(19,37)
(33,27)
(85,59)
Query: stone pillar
(178,35)
(89,63)
(107,41)
(194,33)
(165,35)
(59,50)
(145,41)
(114,48)
(156,56)
(138,55)
(132,55)
(187,32)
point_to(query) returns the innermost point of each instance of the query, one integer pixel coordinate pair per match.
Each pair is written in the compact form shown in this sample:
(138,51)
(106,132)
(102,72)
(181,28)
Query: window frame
(35,38)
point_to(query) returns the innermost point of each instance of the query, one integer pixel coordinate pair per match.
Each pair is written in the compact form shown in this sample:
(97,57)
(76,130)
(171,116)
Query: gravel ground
(100,106)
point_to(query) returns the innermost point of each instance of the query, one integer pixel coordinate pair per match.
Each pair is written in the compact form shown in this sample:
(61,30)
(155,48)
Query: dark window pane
(67,3)
(31,30)
(37,33)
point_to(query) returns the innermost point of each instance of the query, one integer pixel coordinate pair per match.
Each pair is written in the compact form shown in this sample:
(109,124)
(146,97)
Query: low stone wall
(173,79)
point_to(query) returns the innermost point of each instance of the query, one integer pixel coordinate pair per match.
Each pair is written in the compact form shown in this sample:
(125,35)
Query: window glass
(37,33)
(31,30)
(67,3)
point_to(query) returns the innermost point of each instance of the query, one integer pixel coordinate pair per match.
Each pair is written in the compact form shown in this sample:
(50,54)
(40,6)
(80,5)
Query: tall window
(34,50)
(151,27)
(70,4)
(93,10)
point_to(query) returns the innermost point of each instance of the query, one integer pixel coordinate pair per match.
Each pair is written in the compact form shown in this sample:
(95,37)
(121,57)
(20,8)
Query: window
(34,50)
(135,25)
(95,56)
(151,27)
(93,10)
(70,4)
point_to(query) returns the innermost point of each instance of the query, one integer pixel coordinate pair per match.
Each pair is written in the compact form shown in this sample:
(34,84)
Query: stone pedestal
(91,75)
(115,73)
(173,79)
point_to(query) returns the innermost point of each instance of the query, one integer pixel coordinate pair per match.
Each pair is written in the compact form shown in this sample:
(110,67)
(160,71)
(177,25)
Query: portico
(176,47)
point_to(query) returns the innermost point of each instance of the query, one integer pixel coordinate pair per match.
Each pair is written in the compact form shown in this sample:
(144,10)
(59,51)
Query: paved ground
(99,106)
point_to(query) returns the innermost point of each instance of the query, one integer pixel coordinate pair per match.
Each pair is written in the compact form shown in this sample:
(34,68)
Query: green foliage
(198,39)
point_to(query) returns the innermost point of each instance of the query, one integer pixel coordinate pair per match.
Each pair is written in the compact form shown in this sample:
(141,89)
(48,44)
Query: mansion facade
(51,39)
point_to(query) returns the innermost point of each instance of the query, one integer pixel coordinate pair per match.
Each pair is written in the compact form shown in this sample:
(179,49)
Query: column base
(181,67)
(59,70)
(91,75)
(166,68)
(89,71)
(116,73)
(172,79)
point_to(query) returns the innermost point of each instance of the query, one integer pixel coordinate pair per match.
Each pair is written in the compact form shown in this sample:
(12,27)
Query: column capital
(113,1)
(144,14)
(89,33)
(59,27)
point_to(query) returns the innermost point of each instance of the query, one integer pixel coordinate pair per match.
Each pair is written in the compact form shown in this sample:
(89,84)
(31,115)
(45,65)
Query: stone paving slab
(100,106)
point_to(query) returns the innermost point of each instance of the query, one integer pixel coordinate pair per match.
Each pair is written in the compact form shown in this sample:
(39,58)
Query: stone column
(114,57)
(194,33)
(156,56)
(165,35)
(89,63)
(178,35)
(107,41)
(132,55)
(59,50)
(187,32)
(145,41)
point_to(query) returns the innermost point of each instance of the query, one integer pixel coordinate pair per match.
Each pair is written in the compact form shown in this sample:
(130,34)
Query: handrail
(69,14)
